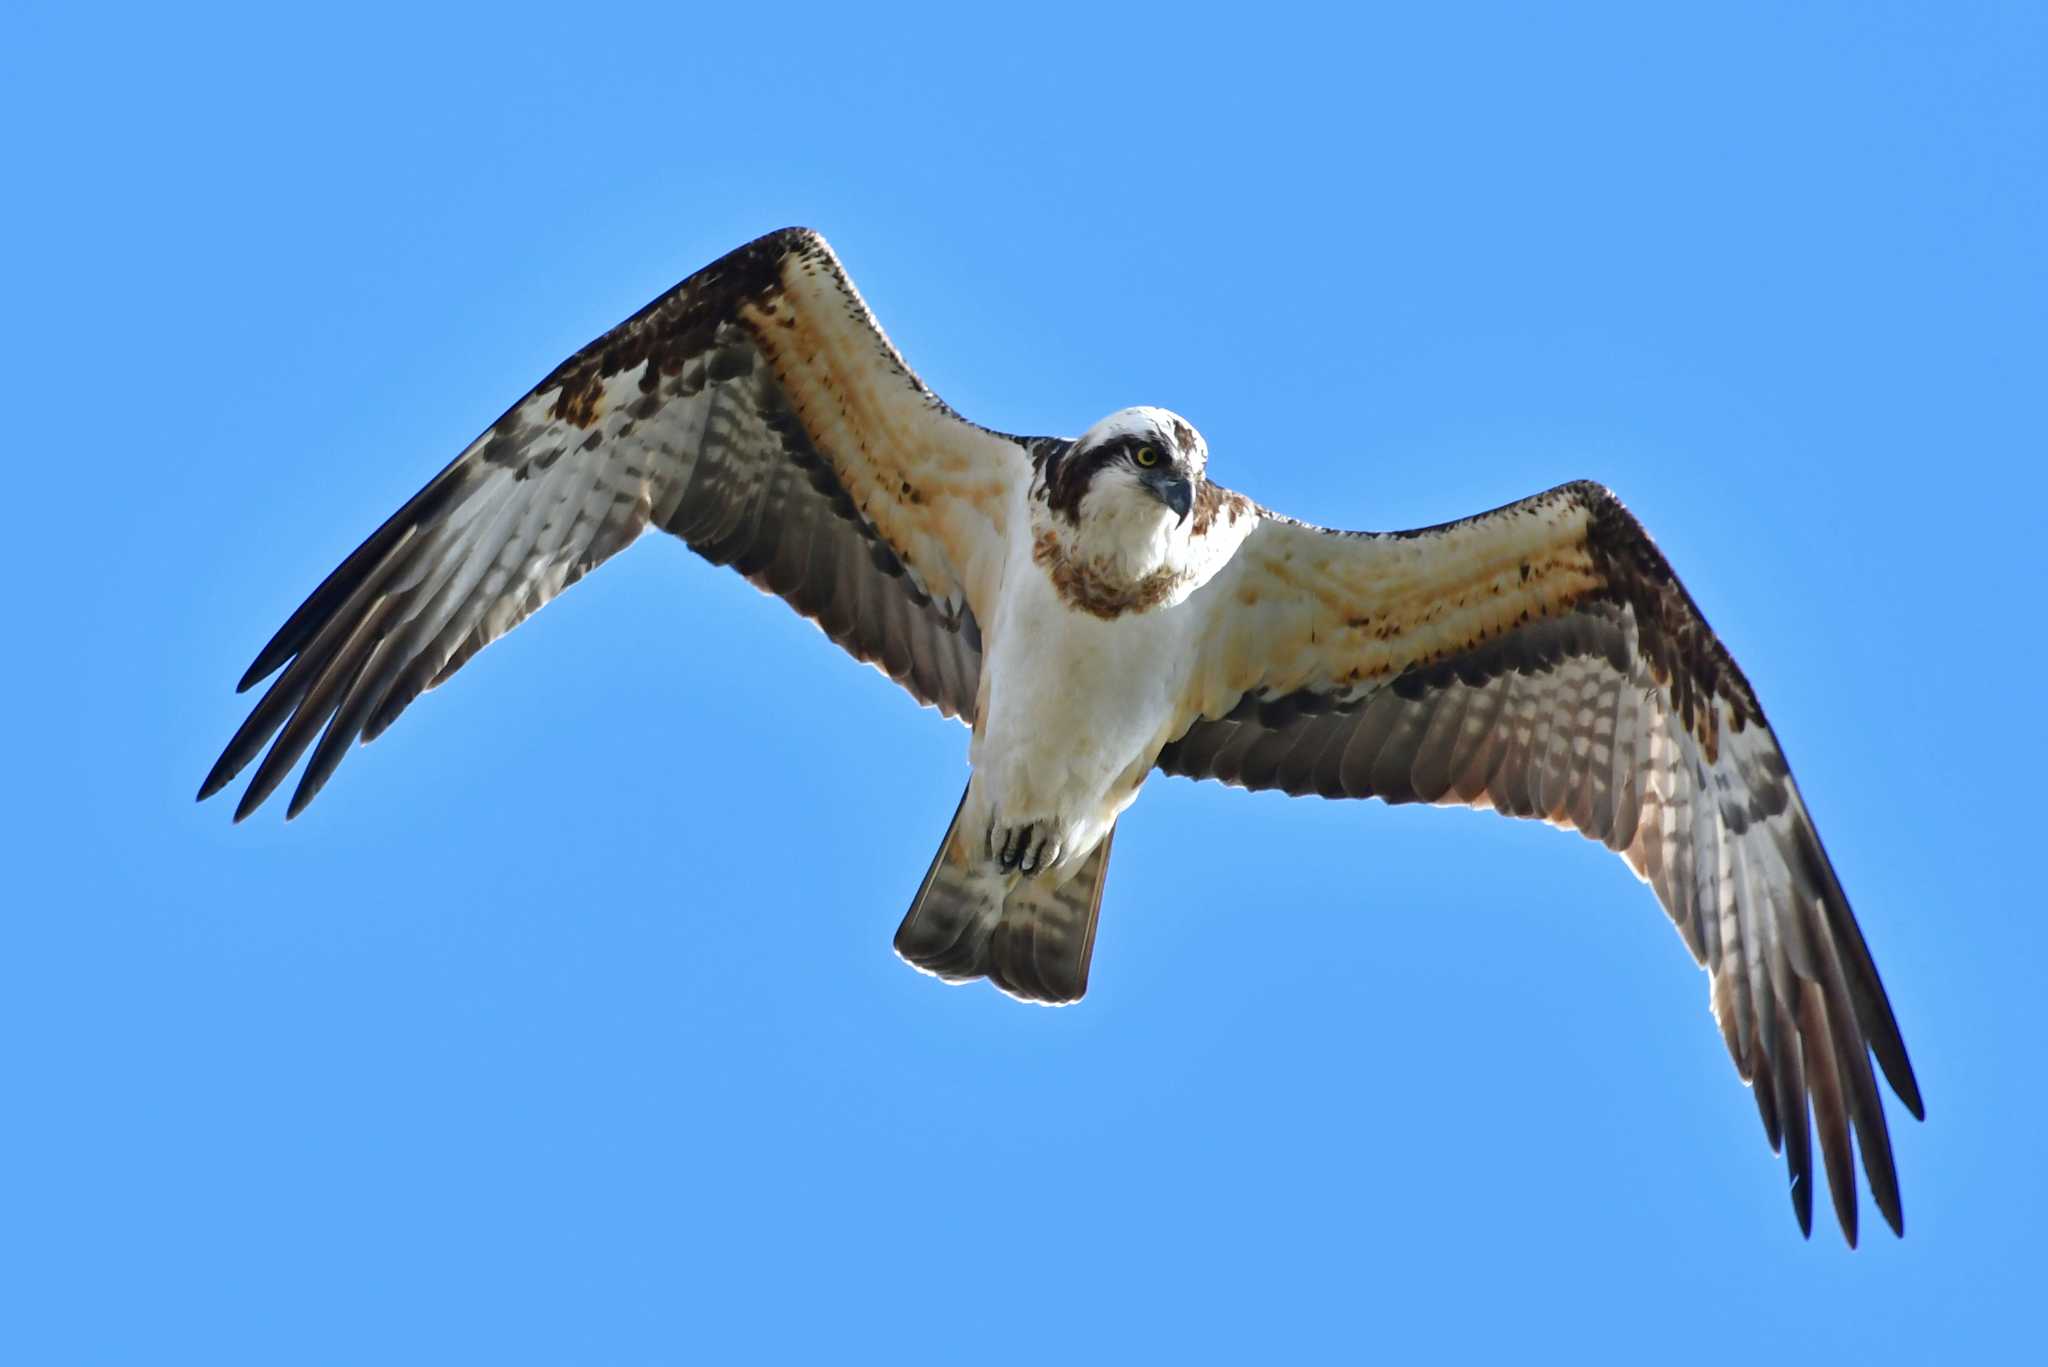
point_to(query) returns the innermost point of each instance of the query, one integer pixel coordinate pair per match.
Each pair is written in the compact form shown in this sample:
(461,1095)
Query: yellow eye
(1146,456)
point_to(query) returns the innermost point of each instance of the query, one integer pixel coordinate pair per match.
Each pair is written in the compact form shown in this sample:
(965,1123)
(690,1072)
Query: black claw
(1028,849)
(1043,852)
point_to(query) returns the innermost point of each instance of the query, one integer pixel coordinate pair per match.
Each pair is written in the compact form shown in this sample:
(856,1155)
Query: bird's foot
(1028,847)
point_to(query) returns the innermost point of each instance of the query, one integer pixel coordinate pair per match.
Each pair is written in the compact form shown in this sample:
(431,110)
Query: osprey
(1096,609)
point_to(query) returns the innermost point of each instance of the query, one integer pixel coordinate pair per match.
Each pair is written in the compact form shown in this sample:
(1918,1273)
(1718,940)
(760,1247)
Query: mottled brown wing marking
(1213,505)
(1543,660)
(676,331)
(755,411)
(933,486)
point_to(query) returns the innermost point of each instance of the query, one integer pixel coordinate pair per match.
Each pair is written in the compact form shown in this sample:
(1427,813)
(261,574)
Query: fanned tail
(1031,938)
(1046,934)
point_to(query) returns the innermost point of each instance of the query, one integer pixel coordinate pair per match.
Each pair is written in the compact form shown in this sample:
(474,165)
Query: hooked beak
(1176,493)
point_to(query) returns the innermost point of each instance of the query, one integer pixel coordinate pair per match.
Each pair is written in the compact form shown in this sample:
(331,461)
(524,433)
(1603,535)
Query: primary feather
(1097,607)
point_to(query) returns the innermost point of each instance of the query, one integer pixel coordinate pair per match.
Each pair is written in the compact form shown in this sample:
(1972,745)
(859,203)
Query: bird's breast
(1076,702)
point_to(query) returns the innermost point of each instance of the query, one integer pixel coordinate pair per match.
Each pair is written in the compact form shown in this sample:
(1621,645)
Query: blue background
(564,1027)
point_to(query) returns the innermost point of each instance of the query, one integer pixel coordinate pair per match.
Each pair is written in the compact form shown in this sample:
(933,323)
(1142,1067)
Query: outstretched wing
(1543,660)
(756,411)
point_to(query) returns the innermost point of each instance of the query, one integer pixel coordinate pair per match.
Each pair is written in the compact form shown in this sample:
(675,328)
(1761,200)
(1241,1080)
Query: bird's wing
(1543,660)
(757,412)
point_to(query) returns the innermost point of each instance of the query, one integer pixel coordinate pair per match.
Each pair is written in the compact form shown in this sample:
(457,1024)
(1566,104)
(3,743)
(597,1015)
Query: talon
(1029,848)
(1044,853)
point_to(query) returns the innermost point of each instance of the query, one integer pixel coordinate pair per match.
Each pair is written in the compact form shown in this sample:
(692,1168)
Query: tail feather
(1046,935)
(1030,938)
(947,929)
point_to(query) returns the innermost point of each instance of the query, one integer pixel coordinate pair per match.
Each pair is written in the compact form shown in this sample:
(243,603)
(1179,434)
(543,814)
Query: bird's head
(1139,469)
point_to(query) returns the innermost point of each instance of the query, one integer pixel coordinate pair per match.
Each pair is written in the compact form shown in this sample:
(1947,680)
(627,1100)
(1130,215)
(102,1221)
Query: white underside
(1075,708)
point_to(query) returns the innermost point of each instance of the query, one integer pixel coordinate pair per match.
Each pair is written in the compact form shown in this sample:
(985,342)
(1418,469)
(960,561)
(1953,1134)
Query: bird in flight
(1096,609)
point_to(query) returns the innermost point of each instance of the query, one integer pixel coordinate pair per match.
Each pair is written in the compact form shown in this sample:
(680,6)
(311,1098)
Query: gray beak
(1175,492)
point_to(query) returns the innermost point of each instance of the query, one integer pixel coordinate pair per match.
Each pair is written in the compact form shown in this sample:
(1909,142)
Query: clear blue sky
(564,1027)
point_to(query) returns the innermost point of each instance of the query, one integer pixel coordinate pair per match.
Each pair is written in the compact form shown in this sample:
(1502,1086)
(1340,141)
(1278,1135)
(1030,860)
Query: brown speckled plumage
(1087,588)
(674,419)
(1217,507)
(1541,659)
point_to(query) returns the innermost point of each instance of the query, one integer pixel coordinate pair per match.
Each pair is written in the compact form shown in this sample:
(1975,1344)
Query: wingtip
(217,778)
(1890,1051)
(1848,1214)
